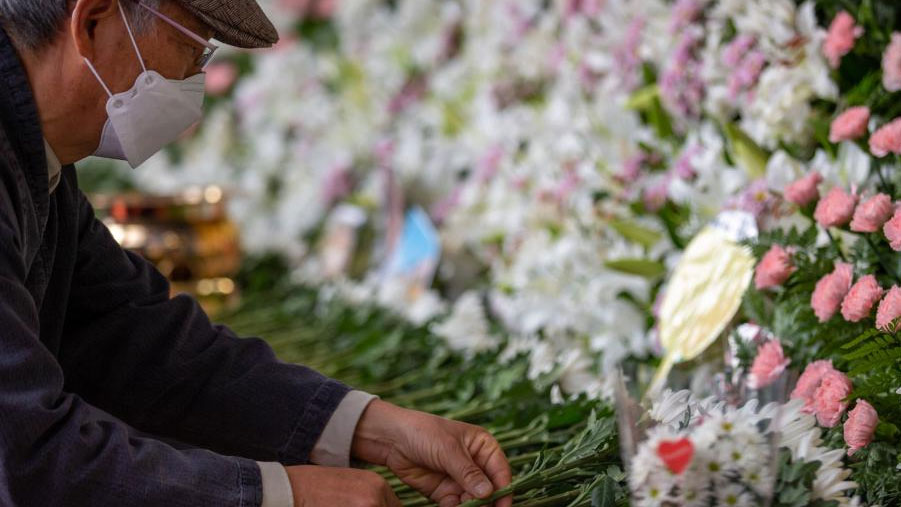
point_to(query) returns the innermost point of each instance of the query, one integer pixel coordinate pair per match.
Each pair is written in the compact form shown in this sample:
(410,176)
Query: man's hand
(316,486)
(448,461)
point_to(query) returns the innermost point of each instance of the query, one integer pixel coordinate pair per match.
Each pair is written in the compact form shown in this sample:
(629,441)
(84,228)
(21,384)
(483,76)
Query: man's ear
(88,21)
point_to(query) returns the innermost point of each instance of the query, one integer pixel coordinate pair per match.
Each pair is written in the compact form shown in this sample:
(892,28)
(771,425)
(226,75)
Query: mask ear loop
(133,43)
(131,36)
(99,79)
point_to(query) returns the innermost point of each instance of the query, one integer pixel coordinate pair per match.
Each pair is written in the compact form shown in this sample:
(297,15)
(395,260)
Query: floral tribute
(566,152)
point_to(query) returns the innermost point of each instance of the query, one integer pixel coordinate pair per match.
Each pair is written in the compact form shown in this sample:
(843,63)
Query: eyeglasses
(209,47)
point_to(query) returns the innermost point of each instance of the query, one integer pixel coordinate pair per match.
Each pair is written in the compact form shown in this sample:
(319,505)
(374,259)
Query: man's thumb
(464,470)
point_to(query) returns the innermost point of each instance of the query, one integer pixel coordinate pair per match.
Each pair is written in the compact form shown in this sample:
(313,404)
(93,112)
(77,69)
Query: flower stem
(835,245)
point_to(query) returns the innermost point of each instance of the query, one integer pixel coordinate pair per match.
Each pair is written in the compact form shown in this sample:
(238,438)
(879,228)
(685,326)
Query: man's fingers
(464,470)
(448,487)
(498,468)
(491,458)
(495,463)
(449,501)
(390,498)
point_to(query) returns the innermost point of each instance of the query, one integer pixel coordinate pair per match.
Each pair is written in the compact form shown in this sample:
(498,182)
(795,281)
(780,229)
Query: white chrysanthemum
(671,407)
(466,328)
(735,495)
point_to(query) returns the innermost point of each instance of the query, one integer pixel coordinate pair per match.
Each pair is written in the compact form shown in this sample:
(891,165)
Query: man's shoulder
(12,180)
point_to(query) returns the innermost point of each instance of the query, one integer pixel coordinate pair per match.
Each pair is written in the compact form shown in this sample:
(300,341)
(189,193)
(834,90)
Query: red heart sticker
(676,454)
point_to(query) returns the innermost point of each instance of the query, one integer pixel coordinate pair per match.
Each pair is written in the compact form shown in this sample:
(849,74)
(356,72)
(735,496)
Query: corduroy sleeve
(160,365)
(56,449)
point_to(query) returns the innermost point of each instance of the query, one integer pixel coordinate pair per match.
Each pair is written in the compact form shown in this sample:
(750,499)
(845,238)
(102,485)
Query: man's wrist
(377,432)
(333,448)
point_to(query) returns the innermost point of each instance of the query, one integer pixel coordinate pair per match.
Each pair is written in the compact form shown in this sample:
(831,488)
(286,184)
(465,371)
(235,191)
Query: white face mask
(149,116)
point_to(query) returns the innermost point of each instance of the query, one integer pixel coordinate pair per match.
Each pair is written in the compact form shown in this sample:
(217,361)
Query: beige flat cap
(239,23)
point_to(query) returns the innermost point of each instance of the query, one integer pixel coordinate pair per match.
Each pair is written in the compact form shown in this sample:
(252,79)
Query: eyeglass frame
(205,58)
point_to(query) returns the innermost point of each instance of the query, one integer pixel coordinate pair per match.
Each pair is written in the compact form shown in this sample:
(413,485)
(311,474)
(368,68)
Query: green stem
(422,394)
(835,245)
(559,499)
(882,260)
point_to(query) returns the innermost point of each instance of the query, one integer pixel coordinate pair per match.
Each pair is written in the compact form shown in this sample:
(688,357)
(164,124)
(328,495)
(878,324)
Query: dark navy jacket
(95,356)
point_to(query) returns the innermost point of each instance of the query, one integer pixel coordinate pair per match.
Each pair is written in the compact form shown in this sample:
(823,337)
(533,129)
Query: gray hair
(35,24)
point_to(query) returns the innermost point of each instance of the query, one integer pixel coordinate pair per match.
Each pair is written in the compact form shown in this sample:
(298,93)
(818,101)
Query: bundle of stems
(562,454)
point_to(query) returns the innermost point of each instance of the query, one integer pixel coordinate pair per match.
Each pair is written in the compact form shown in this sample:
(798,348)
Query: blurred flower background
(565,152)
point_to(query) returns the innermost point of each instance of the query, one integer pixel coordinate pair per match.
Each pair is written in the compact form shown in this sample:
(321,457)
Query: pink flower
(745,76)
(220,77)
(840,38)
(655,195)
(829,398)
(892,230)
(860,426)
(804,191)
(809,382)
(830,291)
(887,139)
(589,8)
(891,64)
(736,50)
(768,365)
(861,299)
(774,269)
(850,125)
(319,9)
(338,182)
(889,309)
(836,208)
(631,169)
(872,214)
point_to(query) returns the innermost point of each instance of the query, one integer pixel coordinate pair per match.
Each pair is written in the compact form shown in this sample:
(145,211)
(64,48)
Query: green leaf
(605,494)
(644,98)
(746,153)
(641,267)
(636,233)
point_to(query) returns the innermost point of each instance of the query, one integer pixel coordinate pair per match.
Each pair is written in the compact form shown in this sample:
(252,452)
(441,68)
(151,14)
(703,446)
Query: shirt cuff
(277,490)
(333,447)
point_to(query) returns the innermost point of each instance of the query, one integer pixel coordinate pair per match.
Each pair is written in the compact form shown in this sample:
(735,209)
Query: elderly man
(111,393)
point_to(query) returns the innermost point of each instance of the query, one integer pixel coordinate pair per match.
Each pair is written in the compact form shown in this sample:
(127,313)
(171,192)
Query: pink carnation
(829,399)
(850,125)
(889,309)
(804,191)
(809,382)
(830,291)
(836,208)
(872,213)
(768,365)
(320,9)
(840,38)
(860,426)
(892,230)
(887,139)
(861,299)
(774,269)
(891,64)
(220,77)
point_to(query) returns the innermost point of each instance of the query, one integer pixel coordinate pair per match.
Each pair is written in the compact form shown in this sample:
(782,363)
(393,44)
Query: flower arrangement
(567,152)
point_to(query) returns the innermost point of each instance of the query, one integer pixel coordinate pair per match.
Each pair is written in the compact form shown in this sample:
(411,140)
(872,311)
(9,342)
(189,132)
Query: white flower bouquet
(717,450)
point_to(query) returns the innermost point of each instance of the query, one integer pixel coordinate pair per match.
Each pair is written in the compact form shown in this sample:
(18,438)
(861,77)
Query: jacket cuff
(312,422)
(333,447)
(277,490)
(250,483)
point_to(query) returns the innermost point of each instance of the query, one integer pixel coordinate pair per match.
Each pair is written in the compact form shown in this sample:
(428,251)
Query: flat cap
(239,23)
